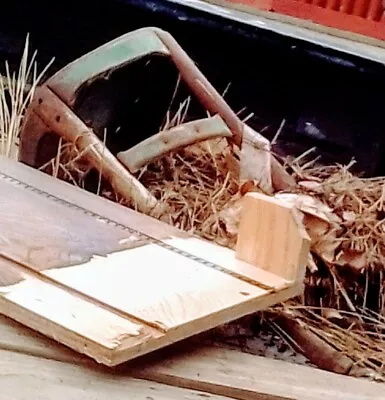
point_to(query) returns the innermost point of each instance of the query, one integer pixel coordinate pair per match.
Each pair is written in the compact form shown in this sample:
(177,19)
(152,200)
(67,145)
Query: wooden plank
(65,236)
(107,291)
(210,369)
(26,377)
(289,237)
(248,377)
(18,338)
(107,337)
(123,215)
(87,200)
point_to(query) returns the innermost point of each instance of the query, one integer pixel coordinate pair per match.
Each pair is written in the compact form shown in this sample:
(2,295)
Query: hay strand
(16,92)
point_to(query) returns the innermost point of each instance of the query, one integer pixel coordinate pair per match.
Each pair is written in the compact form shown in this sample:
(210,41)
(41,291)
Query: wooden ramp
(114,284)
(33,367)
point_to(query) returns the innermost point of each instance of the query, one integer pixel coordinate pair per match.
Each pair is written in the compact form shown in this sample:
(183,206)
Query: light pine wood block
(25,377)
(271,237)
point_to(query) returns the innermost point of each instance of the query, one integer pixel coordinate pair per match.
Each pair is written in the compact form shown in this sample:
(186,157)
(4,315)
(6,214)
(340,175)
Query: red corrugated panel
(365,17)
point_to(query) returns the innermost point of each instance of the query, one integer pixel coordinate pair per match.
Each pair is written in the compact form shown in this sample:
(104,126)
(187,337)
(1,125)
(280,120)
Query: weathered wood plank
(210,369)
(65,236)
(26,377)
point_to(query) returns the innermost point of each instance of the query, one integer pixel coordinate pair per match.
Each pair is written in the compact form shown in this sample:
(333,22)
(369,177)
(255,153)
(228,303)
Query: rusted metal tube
(201,87)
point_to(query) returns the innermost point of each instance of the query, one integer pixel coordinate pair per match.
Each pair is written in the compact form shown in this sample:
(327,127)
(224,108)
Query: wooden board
(99,288)
(208,372)
(252,239)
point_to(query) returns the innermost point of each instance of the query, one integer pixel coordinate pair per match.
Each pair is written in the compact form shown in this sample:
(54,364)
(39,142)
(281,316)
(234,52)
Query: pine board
(103,291)
(215,371)
(26,377)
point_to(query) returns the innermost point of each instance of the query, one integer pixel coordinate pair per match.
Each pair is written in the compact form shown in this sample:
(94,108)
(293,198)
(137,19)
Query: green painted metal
(124,50)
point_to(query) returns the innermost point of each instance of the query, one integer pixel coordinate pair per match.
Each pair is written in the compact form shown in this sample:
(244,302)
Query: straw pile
(339,324)
(352,244)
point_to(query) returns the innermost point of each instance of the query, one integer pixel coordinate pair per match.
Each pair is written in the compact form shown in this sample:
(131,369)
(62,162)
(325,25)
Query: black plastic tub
(330,100)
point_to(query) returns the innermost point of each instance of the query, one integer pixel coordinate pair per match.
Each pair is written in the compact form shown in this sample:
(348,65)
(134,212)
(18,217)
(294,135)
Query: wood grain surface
(271,235)
(25,377)
(47,235)
(98,289)
(210,370)
(351,41)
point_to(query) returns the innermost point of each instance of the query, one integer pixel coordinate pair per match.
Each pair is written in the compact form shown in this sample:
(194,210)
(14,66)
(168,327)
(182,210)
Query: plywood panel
(167,288)
(106,291)
(86,200)
(46,234)
(21,339)
(109,337)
